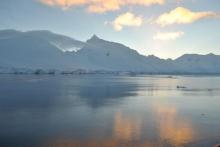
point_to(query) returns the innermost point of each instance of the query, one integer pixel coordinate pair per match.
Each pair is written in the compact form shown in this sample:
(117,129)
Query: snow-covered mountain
(194,63)
(62,42)
(30,52)
(101,54)
(47,50)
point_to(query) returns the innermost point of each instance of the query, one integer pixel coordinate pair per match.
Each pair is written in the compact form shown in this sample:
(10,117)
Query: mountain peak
(210,54)
(93,38)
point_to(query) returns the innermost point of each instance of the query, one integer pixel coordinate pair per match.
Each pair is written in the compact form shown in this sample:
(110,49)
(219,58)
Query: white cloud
(100,6)
(164,36)
(127,19)
(182,15)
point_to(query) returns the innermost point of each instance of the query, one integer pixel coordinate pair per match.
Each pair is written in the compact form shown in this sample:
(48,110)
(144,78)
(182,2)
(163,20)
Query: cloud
(64,4)
(182,15)
(100,6)
(126,19)
(168,35)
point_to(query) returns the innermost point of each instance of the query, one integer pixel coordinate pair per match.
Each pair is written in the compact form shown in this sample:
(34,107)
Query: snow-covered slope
(46,50)
(193,63)
(6,34)
(101,54)
(31,52)
(60,41)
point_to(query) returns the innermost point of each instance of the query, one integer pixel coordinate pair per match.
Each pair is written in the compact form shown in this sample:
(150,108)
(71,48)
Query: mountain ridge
(42,49)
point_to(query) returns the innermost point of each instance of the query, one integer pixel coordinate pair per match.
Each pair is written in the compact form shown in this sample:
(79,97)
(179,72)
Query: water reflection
(31,92)
(108,111)
(126,128)
(127,131)
(98,143)
(98,93)
(173,128)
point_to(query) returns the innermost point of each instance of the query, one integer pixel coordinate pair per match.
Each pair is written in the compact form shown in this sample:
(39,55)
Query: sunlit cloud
(127,19)
(64,4)
(100,6)
(182,15)
(168,35)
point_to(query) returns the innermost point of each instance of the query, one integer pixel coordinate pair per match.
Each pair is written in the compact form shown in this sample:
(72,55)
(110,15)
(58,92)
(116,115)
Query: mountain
(33,50)
(194,63)
(29,52)
(6,34)
(62,42)
(101,54)
(46,50)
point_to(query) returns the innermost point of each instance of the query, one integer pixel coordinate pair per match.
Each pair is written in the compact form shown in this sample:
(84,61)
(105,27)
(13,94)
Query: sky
(164,28)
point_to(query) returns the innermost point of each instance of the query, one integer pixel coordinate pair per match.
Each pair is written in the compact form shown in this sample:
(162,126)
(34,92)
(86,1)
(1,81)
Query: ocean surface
(109,111)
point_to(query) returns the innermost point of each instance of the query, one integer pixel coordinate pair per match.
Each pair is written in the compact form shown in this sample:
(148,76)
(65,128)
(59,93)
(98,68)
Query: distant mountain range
(46,50)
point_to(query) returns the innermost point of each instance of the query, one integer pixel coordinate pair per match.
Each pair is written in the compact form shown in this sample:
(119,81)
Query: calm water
(106,111)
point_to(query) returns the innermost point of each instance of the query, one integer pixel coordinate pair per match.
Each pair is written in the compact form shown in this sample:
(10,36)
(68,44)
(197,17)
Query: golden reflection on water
(171,130)
(126,128)
(172,127)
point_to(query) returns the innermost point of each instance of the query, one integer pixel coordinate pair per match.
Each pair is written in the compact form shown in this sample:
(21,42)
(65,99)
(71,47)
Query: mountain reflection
(97,92)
